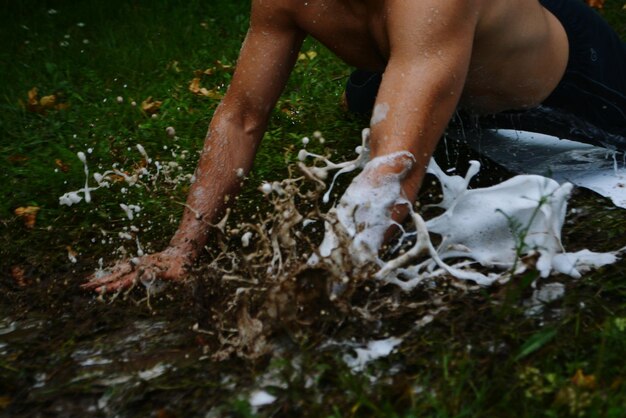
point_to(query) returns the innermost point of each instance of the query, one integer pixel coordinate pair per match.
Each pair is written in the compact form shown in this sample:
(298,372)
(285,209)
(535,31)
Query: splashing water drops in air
(488,229)
(148,172)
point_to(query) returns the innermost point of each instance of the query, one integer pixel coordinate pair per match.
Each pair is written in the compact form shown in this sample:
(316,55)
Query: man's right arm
(267,57)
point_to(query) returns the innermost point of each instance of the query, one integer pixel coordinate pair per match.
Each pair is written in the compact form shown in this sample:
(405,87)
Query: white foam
(372,351)
(156,371)
(478,223)
(494,227)
(321,173)
(380,113)
(83,158)
(364,210)
(549,292)
(261,398)
(245,239)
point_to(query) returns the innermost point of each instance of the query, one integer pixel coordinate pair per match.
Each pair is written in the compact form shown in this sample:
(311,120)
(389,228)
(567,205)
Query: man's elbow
(244,122)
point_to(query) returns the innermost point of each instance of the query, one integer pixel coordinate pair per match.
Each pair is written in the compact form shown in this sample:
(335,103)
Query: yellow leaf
(61,165)
(224,67)
(151,106)
(32,96)
(37,105)
(33,100)
(28,214)
(48,102)
(213,94)
(195,88)
(584,381)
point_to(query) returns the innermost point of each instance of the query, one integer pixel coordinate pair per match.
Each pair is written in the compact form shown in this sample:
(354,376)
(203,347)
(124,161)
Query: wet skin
(437,55)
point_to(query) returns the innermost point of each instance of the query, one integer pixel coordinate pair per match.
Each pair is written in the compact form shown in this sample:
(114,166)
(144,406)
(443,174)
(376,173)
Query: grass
(481,357)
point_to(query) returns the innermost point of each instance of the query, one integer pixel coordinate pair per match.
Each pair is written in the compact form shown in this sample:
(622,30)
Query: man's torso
(519,50)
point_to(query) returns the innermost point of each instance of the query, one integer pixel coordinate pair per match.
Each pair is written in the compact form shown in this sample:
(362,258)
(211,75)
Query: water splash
(491,228)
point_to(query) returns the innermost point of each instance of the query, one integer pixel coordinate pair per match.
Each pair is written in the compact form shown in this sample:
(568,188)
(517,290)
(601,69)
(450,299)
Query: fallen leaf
(194,85)
(225,67)
(584,381)
(61,165)
(195,88)
(28,215)
(48,102)
(213,94)
(17,159)
(289,112)
(596,4)
(33,100)
(37,105)
(19,276)
(151,106)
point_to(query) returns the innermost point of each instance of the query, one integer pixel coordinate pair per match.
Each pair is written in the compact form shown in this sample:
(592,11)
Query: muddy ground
(205,347)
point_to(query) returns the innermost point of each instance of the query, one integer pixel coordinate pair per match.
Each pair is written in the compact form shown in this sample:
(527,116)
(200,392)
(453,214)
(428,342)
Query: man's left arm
(430,51)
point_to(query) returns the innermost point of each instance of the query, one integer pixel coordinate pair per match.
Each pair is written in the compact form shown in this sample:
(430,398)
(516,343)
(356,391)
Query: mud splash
(280,278)
(274,275)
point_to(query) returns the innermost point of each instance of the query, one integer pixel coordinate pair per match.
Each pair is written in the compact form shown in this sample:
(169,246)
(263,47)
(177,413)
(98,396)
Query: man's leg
(593,89)
(361,90)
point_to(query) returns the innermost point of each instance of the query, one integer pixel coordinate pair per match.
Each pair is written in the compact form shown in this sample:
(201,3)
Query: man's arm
(267,57)
(430,50)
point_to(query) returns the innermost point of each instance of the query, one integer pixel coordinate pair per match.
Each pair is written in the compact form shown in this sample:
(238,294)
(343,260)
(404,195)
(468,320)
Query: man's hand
(171,264)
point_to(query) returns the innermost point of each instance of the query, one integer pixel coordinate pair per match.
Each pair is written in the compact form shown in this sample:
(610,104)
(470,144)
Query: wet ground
(218,345)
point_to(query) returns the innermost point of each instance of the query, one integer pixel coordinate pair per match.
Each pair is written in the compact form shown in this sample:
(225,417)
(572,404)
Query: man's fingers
(123,282)
(124,275)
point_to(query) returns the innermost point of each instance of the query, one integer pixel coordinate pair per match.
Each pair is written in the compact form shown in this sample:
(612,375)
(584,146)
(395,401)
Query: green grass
(481,358)
(91,54)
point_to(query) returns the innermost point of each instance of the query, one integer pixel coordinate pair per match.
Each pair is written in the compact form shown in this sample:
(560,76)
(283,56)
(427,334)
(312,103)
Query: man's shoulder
(275,10)
(274,6)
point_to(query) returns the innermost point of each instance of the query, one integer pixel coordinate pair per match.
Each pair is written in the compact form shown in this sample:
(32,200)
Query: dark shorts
(589,104)
(594,84)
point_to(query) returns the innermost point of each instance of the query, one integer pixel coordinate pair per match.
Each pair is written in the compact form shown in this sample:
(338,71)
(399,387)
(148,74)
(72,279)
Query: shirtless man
(484,55)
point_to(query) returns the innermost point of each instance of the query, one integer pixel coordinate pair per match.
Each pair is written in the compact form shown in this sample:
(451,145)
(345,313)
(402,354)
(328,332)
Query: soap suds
(379,114)
(486,231)
(373,350)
